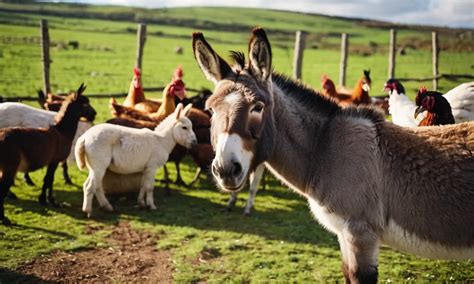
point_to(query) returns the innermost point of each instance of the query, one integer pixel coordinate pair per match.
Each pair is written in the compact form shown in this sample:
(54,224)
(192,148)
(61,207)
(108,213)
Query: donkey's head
(78,104)
(183,129)
(242,105)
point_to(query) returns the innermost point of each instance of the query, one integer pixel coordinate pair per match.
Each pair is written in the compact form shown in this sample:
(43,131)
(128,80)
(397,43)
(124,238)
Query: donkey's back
(429,197)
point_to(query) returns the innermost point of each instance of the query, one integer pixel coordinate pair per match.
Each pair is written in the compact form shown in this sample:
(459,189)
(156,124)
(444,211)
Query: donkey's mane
(238,58)
(316,102)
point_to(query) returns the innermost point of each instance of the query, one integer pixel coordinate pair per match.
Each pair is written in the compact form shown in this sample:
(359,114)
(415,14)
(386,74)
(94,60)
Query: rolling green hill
(280,241)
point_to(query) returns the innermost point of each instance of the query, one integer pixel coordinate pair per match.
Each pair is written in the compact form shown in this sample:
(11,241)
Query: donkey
(368,181)
(28,149)
(124,150)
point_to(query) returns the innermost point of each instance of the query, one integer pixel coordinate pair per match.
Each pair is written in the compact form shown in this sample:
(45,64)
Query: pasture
(280,241)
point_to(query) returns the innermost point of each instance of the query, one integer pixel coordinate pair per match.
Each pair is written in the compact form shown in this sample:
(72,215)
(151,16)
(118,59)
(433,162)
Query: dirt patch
(130,256)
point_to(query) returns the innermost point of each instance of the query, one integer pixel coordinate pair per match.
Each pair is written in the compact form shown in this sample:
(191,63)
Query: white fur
(21,115)
(400,239)
(125,150)
(230,149)
(332,222)
(232,98)
(402,110)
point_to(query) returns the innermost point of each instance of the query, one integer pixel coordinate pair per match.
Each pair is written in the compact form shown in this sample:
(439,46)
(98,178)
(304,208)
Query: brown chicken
(359,95)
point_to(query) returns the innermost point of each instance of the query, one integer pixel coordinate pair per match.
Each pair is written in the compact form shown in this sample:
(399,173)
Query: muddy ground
(129,256)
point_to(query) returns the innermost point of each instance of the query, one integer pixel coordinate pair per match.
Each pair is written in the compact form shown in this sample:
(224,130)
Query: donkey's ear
(178,110)
(260,54)
(214,67)
(187,109)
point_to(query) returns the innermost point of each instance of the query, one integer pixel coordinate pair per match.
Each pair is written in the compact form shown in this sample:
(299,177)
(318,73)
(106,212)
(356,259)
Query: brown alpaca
(28,149)
(53,102)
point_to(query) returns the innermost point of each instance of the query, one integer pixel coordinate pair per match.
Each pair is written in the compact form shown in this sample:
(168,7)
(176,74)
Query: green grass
(281,241)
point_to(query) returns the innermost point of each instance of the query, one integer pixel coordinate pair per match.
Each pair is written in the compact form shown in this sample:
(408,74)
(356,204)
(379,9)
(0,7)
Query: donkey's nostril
(237,169)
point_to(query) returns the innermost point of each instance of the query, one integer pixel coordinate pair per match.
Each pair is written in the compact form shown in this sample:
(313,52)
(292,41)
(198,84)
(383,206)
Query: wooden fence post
(45,55)
(392,54)
(434,37)
(343,62)
(141,38)
(298,55)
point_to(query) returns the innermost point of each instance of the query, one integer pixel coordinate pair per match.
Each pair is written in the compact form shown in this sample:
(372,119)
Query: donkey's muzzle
(229,175)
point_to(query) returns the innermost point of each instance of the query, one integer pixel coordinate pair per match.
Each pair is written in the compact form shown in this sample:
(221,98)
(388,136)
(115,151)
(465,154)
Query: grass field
(280,241)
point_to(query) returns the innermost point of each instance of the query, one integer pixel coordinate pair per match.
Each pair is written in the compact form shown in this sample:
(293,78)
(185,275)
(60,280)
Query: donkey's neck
(297,130)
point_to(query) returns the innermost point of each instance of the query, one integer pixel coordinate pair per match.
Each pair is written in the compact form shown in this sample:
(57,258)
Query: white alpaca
(21,115)
(125,150)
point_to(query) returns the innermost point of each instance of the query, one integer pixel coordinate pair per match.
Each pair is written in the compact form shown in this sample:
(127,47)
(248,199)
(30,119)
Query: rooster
(461,99)
(136,96)
(438,110)
(359,95)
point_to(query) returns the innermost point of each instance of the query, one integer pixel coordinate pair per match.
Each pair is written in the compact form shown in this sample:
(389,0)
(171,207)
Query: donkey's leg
(255,179)
(6,181)
(147,186)
(67,178)
(27,178)
(48,184)
(196,176)
(232,201)
(359,247)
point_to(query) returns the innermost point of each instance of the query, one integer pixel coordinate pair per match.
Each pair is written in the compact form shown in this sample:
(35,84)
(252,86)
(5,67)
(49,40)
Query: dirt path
(130,256)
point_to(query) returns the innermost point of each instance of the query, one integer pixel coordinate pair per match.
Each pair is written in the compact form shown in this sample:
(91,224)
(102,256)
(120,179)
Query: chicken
(461,99)
(438,110)
(400,106)
(175,88)
(359,95)
(136,95)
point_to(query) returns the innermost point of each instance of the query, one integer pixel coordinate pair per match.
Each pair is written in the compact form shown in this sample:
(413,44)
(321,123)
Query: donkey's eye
(257,108)
(185,127)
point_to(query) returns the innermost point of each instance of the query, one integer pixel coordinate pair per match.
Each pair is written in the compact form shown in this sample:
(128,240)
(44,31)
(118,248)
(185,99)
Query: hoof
(226,209)
(247,213)
(6,221)
(108,208)
(152,208)
(68,182)
(11,196)
(42,200)
(53,203)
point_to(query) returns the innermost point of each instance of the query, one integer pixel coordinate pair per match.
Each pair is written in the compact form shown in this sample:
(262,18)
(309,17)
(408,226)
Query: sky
(452,13)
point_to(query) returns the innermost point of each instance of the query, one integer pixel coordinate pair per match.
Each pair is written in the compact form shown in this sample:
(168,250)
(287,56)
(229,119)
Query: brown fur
(28,149)
(366,180)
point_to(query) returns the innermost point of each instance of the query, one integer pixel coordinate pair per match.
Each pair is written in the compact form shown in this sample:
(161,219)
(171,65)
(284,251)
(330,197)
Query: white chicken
(461,99)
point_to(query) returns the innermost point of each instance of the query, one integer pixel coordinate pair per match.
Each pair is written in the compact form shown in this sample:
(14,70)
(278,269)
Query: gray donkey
(368,181)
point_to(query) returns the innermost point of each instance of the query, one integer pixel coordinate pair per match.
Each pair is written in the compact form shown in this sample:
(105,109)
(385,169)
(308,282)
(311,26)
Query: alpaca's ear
(79,91)
(178,110)
(260,55)
(187,109)
(212,65)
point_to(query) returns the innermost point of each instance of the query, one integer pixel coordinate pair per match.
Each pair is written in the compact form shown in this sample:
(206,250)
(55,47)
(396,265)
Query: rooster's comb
(422,90)
(136,71)
(178,73)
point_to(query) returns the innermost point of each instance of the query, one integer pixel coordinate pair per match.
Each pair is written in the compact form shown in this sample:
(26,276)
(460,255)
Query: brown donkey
(28,149)
(368,181)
